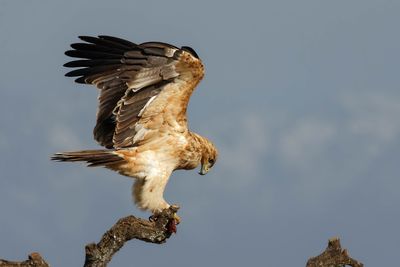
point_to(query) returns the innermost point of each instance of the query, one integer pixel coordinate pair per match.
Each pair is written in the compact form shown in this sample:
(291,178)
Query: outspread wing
(143,87)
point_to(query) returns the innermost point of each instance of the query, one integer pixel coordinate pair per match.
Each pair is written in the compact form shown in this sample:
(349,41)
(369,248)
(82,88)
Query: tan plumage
(141,119)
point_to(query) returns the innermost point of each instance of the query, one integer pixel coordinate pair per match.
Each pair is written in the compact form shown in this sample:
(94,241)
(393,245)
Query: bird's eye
(211,161)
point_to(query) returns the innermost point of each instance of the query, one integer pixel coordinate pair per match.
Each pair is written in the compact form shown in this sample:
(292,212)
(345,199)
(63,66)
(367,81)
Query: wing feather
(134,82)
(91,63)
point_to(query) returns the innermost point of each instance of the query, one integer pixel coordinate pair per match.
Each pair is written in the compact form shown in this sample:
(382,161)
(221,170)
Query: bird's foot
(173,221)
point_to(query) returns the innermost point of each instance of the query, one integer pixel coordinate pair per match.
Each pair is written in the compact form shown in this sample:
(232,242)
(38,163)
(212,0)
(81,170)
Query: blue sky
(301,97)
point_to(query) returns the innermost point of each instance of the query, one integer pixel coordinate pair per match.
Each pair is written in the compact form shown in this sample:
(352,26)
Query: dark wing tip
(88,39)
(118,40)
(69,53)
(81,80)
(190,50)
(77,72)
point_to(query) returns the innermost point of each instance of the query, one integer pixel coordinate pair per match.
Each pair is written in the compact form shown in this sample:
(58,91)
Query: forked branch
(129,228)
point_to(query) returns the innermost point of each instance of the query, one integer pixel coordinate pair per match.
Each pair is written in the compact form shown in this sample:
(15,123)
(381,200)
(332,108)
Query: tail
(94,158)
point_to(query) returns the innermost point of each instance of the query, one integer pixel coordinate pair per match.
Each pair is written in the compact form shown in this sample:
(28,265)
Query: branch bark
(128,228)
(333,256)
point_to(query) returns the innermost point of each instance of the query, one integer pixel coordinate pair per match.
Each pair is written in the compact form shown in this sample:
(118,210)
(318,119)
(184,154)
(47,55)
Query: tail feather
(94,158)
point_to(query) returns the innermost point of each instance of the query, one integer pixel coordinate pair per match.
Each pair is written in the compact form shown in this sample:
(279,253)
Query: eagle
(144,91)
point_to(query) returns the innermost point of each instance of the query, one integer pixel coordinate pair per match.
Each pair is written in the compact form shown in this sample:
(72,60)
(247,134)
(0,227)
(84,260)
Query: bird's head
(209,156)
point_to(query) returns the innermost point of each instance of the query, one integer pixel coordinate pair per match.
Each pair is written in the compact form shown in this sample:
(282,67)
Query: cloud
(251,142)
(305,142)
(62,137)
(367,125)
(374,116)
(242,144)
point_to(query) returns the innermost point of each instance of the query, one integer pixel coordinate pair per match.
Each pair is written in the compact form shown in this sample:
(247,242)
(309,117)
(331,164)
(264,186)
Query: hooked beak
(204,169)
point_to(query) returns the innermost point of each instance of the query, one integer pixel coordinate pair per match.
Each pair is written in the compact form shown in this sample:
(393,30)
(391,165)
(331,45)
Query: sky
(301,98)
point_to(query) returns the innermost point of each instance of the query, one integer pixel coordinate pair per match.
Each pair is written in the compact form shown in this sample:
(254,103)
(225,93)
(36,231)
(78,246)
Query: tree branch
(333,256)
(34,260)
(130,228)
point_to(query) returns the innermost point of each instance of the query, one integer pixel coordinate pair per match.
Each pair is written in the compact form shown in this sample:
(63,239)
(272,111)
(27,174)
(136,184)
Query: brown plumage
(141,119)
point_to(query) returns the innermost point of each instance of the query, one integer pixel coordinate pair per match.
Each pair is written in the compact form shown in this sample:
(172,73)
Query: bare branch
(128,228)
(34,260)
(333,256)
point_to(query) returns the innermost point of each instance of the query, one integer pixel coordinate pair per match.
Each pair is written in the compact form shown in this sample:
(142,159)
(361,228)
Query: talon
(153,218)
(177,219)
(174,207)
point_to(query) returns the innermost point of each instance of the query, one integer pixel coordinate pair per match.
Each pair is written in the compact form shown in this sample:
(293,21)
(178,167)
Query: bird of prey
(144,90)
